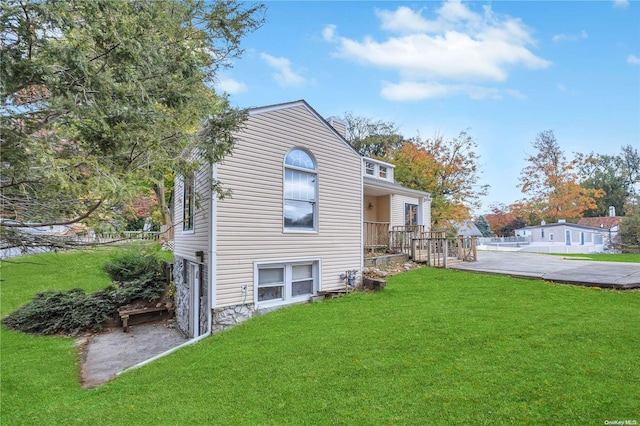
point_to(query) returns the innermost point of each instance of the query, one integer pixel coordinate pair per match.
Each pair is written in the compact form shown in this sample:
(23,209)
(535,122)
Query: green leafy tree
(370,137)
(102,97)
(615,175)
(630,231)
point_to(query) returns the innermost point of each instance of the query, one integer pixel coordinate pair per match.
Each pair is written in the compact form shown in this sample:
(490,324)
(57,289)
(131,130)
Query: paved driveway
(556,268)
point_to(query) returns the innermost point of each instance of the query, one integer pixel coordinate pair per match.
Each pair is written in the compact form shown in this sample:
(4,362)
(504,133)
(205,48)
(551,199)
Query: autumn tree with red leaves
(499,217)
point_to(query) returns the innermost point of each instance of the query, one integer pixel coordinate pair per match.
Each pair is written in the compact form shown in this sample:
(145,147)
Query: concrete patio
(615,275)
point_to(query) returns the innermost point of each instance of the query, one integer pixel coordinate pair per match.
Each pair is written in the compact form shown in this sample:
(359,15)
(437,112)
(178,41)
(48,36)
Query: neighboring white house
(562,237)
(293,226)
(610,225)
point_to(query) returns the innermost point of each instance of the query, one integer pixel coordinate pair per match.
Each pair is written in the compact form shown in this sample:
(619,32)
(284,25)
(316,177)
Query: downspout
(362,214)
(212,241)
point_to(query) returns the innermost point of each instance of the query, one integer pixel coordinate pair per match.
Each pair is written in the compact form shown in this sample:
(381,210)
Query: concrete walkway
(107,354)
(616,275)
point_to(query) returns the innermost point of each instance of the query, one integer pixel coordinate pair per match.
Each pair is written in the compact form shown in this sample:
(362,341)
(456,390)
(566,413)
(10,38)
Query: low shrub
(137,275)
(53,312)
(132,265)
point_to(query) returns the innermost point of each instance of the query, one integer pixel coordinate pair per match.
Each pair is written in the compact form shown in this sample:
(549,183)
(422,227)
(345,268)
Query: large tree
(447,168)
(372,138)
(616,175)
(551,184)
(101,98)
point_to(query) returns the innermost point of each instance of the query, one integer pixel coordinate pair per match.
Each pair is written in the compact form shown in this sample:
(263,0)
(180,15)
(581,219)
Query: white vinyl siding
(398,209)
(187,242)
(249,222)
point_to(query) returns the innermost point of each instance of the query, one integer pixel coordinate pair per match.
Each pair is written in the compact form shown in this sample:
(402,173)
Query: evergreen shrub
(136,275)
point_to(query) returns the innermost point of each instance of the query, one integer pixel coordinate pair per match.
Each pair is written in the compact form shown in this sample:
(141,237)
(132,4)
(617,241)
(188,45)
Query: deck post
(446,252)
(474,243)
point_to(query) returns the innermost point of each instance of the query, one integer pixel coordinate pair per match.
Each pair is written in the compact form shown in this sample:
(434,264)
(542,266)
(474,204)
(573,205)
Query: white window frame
(370,168)
(287,265)
(383,172)
(189,182)
(551,237)
(417,208)
(314,202)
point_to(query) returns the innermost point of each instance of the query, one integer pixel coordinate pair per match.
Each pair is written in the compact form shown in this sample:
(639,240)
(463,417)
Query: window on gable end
(300,191)
(188,206)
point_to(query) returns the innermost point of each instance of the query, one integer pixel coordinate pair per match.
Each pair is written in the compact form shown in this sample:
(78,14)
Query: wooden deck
(431,247)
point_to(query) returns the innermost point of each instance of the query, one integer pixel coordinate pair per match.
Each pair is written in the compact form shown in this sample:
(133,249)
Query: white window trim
(417,215)
(191,230)
(287,264)
(316,210)
(372,169)
(381,170)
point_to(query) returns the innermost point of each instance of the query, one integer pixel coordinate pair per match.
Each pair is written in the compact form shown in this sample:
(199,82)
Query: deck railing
(376,235)
(402,236)
(438,250)
(127,235)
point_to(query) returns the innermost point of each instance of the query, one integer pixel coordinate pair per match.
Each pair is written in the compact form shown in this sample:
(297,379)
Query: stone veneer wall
(229,316)
(223,318)
(204,298)
(182,295)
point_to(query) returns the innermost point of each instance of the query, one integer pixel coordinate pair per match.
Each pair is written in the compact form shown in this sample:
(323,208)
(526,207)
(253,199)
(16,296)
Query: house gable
(250,230)
(304,104)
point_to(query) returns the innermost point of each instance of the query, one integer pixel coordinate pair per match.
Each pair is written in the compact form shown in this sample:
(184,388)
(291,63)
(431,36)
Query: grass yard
(436,347)
(604,257)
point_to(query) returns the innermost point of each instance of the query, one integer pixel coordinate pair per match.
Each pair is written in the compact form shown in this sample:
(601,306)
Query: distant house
(562,237)
(610,224)
(304,204)
(468,229)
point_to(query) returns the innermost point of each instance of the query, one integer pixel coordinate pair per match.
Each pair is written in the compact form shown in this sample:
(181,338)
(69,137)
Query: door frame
(195,274)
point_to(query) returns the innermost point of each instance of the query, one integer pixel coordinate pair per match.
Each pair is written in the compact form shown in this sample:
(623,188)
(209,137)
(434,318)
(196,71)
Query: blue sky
(504,70)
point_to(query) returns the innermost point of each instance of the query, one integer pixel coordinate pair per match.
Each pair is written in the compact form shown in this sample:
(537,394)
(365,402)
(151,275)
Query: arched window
(300,191)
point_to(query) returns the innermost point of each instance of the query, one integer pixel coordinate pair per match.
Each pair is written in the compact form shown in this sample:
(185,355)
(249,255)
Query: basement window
(282,283)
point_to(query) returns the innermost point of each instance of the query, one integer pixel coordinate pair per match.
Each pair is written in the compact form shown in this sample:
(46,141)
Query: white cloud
(633,59)
(415,91)
(570,37)
(620,3)
(445,55)
(329,33)
(229,85)
(284,75)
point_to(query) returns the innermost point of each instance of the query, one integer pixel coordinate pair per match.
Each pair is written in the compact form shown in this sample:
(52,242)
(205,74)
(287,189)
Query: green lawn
(436,347)
(604,257)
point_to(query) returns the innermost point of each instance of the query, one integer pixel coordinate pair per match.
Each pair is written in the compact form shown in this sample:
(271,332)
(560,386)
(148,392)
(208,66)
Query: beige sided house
(293,226)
